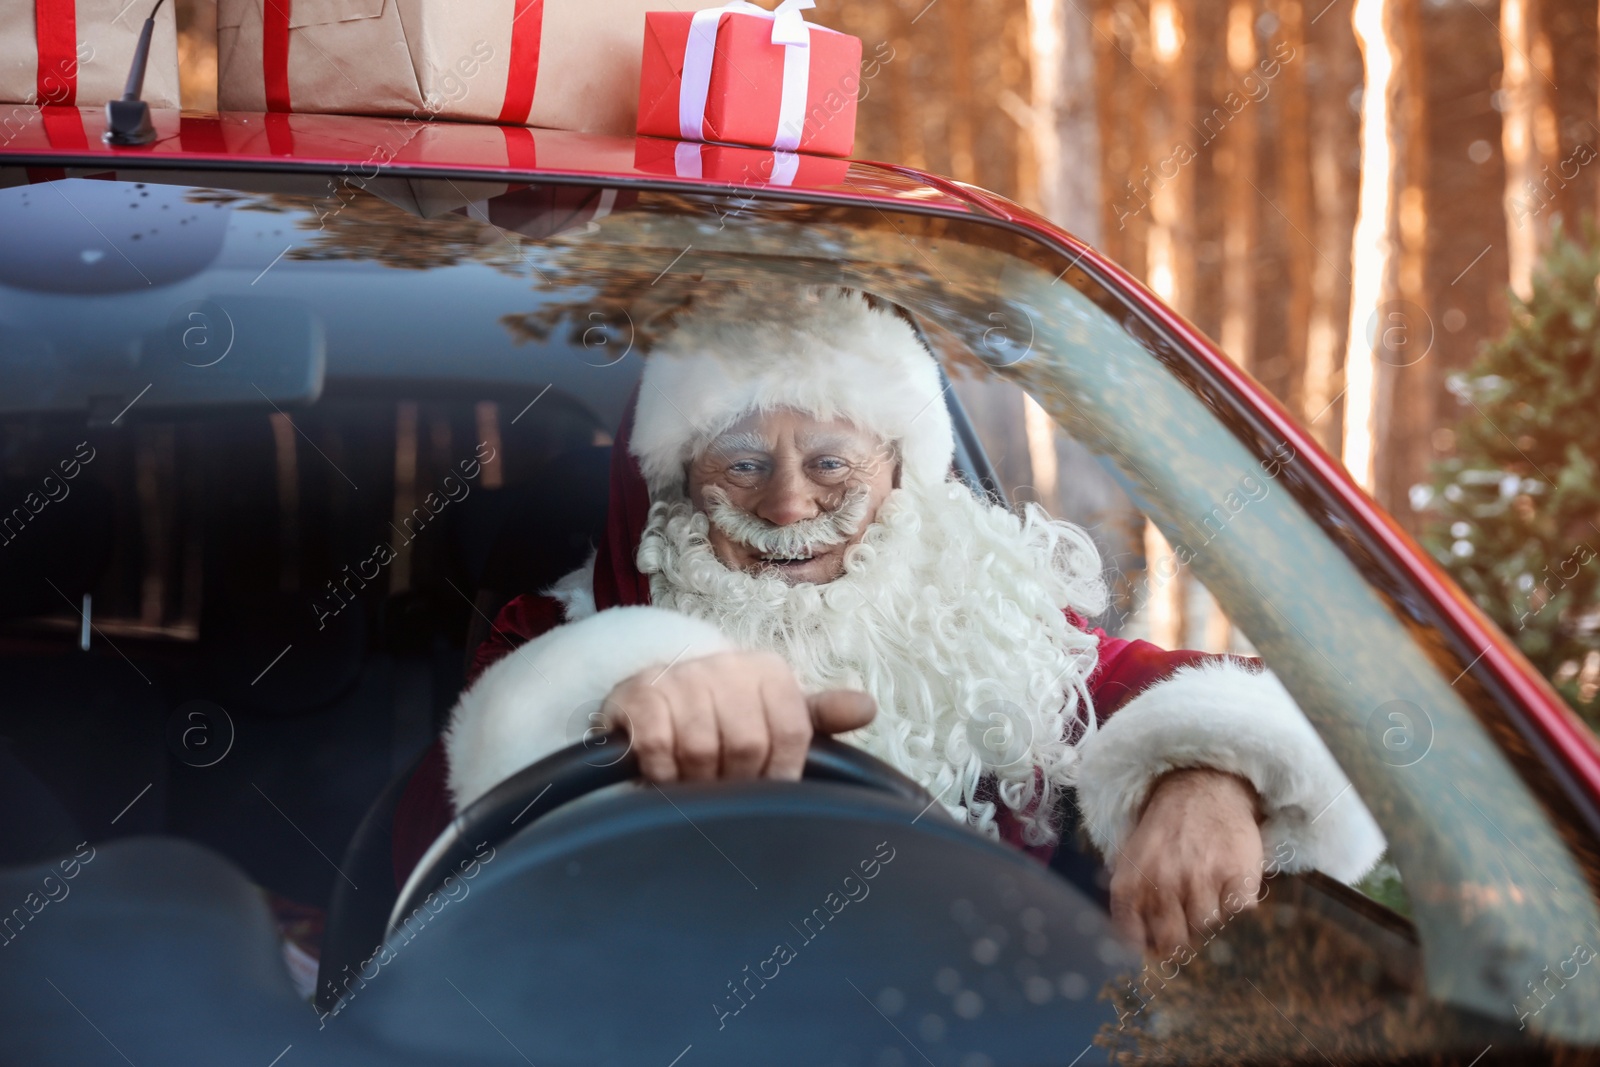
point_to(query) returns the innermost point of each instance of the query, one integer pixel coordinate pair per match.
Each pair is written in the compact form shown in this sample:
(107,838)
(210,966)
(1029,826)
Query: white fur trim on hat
(537,700)
(822,351)
(1223,716)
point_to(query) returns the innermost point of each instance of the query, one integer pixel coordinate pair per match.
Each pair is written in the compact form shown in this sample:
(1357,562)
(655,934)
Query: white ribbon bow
(789,28)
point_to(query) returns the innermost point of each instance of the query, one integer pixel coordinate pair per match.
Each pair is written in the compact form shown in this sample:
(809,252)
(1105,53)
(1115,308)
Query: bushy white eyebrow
(751,441)
(741,441)
(832,441)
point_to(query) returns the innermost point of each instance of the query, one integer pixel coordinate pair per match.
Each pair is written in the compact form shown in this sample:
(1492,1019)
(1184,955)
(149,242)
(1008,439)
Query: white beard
(949,613)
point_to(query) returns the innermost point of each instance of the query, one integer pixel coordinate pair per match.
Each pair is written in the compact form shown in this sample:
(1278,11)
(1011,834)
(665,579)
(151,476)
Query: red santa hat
(827,351)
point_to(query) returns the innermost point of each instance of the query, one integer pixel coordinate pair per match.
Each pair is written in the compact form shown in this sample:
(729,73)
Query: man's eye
(831,463)
(746,472)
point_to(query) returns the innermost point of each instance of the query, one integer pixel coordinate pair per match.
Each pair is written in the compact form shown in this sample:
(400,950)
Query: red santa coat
(1181,701)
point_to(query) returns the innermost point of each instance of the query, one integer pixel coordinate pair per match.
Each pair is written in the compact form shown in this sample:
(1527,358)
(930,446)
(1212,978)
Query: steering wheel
(586,767)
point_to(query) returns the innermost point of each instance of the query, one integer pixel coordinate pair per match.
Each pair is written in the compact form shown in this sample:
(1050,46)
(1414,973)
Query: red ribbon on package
(527,28)
(55,25)
(525,38)
(275,53)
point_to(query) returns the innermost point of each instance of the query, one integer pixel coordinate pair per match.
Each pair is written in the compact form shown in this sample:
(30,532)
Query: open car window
(250,413)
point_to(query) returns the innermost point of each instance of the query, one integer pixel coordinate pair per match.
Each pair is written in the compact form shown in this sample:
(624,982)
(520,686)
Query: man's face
(780,468)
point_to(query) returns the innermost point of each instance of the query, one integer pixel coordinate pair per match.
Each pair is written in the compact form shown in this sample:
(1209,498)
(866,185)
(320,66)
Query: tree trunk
(1017,90)
(1565,49)
(1235,162)
(1170,241)
(1123,93)
(1040,430)
(1372,283)
(1066,129)
(1165,579)
(1066,138)
(1466,247)
(1526,136)
(1409,373)
(1208,127)
(961,100)
(1289,58)
(1169,246)
(901,91)
(1335,179)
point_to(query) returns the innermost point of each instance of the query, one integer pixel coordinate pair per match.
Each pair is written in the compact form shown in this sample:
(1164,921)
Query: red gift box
(733,163)
(741,74)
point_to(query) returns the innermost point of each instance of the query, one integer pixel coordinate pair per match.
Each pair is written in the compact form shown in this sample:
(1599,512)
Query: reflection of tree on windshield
(360,226)
(655,253)
(644,266)
(354,225)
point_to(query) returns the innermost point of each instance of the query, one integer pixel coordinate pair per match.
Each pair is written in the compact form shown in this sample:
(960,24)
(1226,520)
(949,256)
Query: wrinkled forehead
(766,432)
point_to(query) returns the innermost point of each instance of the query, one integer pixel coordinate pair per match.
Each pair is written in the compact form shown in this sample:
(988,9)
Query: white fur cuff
(1222,715)
(538,699)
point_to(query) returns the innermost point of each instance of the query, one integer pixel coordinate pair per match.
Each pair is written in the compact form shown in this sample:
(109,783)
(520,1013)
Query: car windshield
(319,434)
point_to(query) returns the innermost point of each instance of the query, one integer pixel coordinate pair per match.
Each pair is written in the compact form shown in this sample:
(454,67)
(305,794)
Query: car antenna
(128,119)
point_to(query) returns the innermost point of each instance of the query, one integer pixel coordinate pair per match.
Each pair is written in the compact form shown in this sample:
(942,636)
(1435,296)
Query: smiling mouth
(786,561)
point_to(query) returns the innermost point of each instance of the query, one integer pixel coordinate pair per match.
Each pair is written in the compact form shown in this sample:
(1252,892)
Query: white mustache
(790,541)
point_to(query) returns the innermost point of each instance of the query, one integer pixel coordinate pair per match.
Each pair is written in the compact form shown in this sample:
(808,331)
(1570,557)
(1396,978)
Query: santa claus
(788,553)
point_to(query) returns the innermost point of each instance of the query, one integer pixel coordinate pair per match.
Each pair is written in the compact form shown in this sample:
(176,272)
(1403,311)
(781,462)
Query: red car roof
(50,139)
(358,143)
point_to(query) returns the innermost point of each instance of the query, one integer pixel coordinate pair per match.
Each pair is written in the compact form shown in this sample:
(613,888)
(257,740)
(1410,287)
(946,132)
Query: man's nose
(789,497)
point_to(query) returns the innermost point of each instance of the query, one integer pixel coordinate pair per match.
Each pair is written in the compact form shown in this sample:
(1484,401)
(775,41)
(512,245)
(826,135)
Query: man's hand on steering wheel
(1192,863)
(736,715)
(1194,859)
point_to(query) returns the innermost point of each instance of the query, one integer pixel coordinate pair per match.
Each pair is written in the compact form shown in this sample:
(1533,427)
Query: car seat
(80,724)
(547,526)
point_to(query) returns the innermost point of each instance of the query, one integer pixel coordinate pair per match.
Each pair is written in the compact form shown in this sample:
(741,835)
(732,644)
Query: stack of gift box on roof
(711,81)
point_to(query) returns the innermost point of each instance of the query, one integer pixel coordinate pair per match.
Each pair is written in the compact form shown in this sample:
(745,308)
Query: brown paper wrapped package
(105,52)
(416,57)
